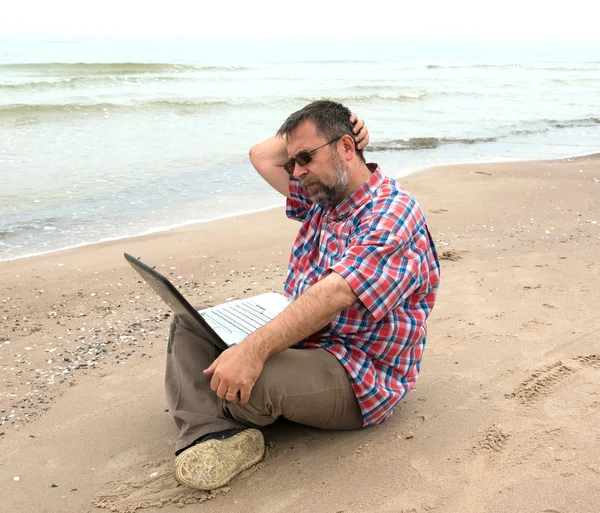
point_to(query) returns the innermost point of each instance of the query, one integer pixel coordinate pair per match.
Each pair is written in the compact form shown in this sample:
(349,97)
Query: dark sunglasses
(304,157)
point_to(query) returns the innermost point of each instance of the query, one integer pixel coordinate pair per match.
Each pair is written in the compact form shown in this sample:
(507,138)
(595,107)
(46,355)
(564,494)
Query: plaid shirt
(377,240)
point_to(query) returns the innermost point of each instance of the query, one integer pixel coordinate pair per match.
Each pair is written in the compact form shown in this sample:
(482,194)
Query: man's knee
(259,410)
(250,415)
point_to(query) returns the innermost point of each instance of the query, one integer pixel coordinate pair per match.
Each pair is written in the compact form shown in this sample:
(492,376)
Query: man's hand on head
(361,134)
(235,372)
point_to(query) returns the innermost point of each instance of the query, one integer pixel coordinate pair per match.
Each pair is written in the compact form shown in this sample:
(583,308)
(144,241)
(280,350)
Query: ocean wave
(530,131)
(383,92)
(27,226)
(181,106)
(396,97)
(20,110)
(376,87)
(428,143)
(113,68)
(533,67)
(556,124)
(583,122)
(575,81)
(74,82)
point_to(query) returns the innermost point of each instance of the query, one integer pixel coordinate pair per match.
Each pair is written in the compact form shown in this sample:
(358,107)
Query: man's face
(325,177)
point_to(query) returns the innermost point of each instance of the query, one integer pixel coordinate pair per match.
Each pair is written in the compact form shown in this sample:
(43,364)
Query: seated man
(363,274)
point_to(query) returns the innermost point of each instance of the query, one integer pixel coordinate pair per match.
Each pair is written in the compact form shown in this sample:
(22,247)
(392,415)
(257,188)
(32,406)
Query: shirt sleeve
(298,204)
(383,265)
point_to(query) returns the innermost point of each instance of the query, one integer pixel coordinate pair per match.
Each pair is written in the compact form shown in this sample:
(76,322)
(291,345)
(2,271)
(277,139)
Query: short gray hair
(332,119)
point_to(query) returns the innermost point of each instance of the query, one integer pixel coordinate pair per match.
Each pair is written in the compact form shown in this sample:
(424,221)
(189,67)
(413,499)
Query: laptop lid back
(180,306)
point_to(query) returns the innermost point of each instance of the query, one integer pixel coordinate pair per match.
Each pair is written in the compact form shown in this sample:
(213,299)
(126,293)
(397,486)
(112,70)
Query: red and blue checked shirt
(378,241)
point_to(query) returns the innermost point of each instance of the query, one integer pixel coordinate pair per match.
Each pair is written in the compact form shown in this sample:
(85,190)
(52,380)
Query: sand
(504,416)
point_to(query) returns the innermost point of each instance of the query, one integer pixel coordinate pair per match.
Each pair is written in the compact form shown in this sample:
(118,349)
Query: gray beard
(334,194)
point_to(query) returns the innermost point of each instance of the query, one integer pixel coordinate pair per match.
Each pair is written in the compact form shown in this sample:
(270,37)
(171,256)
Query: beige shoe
(213,463)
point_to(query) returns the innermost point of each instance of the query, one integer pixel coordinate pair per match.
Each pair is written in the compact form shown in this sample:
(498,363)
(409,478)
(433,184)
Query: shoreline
(163,229)
(151,231)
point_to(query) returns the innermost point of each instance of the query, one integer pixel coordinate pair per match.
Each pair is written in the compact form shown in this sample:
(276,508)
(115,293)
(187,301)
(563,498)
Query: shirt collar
(358,197)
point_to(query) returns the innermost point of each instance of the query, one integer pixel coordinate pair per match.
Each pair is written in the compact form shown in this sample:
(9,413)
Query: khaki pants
(308,386)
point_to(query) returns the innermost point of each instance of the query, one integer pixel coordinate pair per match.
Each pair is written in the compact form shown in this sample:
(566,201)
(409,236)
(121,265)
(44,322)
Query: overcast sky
(505,19)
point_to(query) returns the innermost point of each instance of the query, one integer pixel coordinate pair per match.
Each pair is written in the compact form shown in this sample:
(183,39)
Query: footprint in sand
(591,360)
(541,383)
(493,441)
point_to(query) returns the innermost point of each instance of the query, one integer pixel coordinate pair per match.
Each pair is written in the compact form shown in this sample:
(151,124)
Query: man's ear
(348,146)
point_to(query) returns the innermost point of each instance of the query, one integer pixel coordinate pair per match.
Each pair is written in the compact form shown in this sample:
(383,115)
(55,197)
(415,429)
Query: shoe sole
(212,464)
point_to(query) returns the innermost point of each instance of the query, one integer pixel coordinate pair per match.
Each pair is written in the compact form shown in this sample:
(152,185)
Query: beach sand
(504,416)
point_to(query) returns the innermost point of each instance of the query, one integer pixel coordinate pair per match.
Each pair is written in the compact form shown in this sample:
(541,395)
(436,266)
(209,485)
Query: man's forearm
(312,311)
(272,151)
(268,158)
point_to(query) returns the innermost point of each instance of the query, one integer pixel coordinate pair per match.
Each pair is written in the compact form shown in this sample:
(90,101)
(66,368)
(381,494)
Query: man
(363,274)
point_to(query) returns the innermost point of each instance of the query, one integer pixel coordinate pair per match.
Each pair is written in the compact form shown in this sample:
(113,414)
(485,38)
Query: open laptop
(224,325)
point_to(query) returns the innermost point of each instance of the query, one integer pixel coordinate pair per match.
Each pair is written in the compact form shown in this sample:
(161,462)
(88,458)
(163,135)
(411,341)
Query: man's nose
(299,171)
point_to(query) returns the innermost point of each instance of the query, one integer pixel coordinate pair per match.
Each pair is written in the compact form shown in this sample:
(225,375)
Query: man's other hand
(235,372)
(361,134)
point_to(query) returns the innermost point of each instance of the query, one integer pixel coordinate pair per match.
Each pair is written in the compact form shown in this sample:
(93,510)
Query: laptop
(224,325)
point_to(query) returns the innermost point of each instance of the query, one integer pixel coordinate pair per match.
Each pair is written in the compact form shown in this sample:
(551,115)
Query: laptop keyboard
(246,317)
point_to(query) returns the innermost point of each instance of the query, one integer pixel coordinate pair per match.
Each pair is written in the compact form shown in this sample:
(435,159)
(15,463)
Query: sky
(432,19)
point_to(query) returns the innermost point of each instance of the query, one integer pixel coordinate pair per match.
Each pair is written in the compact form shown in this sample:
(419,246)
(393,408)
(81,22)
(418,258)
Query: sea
(103,138)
